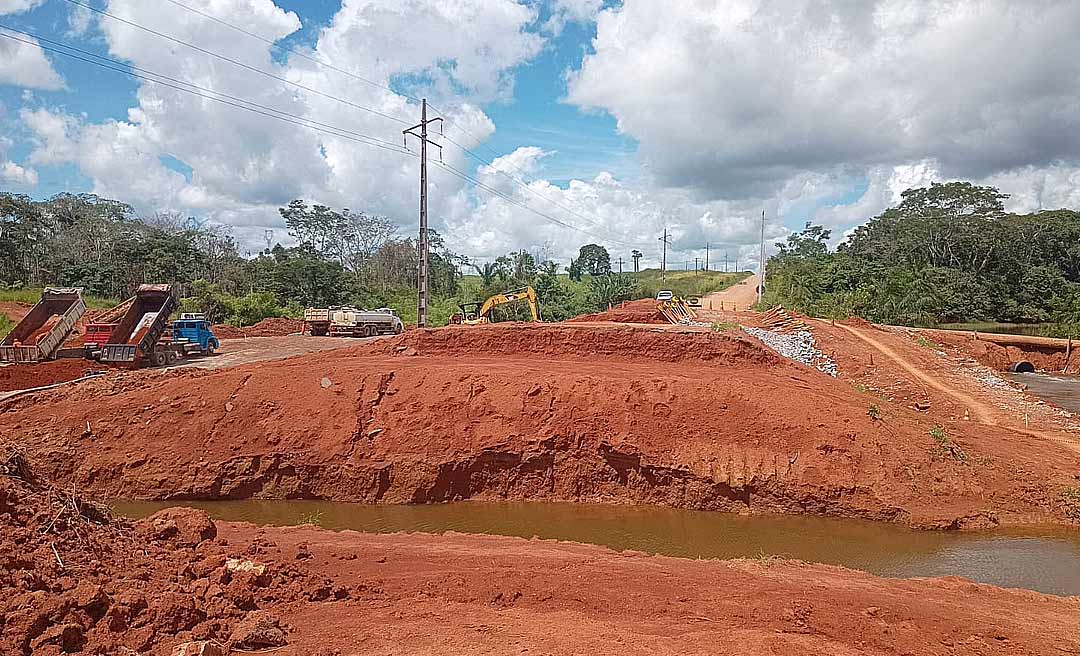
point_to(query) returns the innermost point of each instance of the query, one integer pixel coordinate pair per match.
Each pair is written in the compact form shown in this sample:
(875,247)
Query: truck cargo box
(137,333)
(43,330)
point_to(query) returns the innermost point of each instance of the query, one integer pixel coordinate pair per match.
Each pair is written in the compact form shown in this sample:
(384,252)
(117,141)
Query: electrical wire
(235,62)
(290,50)
(495,192)
(331,66)
(202,92)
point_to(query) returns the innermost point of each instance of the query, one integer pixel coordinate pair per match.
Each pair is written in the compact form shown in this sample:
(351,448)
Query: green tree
(594,260)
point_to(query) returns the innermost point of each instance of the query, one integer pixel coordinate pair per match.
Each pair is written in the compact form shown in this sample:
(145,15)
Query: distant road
(739,297)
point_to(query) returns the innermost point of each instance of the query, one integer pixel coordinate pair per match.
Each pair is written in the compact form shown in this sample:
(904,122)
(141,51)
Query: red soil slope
(696,420)
(75,580)
(272,327)
(641,311)
(27,376)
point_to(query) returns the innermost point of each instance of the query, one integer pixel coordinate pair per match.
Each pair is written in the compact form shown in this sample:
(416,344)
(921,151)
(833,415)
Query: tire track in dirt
(982,412)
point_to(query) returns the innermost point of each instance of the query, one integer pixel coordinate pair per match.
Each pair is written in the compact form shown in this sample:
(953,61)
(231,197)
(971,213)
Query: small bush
(874,412)
(313,518)
(946,448)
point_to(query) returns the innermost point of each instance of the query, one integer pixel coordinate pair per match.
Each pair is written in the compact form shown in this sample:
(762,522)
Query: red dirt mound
(641,311)
(27,376)
(566,341)
(534,413)
(271,327)
(75,579)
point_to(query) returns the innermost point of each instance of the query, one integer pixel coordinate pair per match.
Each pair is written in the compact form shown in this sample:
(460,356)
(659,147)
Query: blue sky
(726,110)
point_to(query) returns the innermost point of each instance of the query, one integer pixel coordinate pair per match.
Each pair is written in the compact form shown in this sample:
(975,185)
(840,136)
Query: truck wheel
(157,358)
(170,358)
(210,348)
(369,331)
(398,329)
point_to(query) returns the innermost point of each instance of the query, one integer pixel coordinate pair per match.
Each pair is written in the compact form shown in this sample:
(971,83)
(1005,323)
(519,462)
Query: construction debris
(779,320)
(798,346)
(679,312)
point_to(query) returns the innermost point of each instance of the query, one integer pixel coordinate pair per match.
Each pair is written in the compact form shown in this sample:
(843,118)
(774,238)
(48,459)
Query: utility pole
(697,264)
(663,259)
(725,262)
(706,256)
(761,271)
(620,266)
(422,269)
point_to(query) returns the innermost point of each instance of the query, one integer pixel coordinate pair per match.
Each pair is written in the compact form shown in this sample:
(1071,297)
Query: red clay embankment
(618,415)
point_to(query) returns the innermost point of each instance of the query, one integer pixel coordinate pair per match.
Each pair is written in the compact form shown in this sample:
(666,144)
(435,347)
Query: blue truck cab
(193,334)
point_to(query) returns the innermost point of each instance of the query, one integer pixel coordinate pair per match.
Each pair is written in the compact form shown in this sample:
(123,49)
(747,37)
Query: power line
(323,62)
(522,184)
(235,62)
(202,92)
(510,199)
(292,51)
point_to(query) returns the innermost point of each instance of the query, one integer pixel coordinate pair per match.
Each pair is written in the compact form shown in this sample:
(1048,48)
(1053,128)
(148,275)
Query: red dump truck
(136,338)
(43,330)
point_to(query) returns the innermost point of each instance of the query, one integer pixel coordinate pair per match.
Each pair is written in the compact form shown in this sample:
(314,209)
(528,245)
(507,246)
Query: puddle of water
(1062,391)
(1045,559)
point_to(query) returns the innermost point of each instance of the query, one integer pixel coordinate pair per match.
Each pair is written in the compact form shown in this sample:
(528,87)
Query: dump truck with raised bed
(351,322)
(43,330)
(137,336)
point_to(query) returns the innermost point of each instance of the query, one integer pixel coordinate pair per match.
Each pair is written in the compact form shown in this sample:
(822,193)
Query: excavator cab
(469,314)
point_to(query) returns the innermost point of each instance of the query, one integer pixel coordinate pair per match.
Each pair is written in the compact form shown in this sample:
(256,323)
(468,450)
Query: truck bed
(43,330)
(140,328)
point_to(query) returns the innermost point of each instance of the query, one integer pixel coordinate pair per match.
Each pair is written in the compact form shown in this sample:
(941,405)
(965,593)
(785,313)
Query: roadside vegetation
(947,253)
(339,258)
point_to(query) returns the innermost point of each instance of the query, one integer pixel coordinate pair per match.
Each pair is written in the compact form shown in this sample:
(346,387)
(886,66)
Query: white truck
(352,322)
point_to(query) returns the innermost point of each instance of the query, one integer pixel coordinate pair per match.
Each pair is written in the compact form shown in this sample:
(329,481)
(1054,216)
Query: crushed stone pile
(76,579)
(798,346)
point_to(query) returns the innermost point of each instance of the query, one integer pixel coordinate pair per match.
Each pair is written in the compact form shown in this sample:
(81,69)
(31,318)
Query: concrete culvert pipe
(1022,367)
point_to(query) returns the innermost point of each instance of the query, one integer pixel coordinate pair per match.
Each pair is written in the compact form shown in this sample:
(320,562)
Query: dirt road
(737,298)
(249,350)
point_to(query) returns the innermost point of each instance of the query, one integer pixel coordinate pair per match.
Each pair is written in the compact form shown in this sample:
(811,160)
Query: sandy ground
(248,350)
(740,297)
(496,595)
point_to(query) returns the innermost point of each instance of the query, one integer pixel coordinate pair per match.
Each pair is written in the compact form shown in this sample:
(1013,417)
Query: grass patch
(874,412)
(924,342)
(945,446)
(6,325)
(313,518)
(721,326)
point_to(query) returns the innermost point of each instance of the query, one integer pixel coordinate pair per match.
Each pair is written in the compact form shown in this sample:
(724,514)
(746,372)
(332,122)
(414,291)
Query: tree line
(340,257)
(946,253)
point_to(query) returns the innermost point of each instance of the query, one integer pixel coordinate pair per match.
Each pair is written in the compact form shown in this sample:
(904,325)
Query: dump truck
(43,330)
(137,336)
(192,334)
(352,322)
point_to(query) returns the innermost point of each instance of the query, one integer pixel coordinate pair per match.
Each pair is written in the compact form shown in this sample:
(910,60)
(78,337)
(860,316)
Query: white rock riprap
(798,346)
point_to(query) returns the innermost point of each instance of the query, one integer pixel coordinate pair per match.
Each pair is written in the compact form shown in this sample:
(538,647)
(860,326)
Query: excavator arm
(528,294)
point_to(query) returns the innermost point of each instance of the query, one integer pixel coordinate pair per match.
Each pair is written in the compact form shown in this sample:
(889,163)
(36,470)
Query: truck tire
(170,358)
(399,328)
(318,331)
(211,347)
(370,331)
(157,358)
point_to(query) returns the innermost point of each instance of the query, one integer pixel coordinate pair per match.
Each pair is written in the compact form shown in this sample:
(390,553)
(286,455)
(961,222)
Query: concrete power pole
(663,259)
(422,270)
(697,264)
(706,256)
(761,271)
(620,266)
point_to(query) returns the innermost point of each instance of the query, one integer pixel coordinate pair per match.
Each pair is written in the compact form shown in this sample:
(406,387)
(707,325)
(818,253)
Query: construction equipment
(137,335)
(476,313)
(43,330)
(351,322)
(191,334)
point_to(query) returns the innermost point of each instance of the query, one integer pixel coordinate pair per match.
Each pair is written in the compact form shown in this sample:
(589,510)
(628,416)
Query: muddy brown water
(1044,559)
(1062,391)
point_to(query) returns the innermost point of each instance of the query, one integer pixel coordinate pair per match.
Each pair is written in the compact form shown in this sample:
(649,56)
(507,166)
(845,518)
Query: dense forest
(339,258)
(946,253)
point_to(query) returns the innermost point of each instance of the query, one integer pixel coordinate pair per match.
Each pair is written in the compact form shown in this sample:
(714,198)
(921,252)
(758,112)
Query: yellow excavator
(474,314)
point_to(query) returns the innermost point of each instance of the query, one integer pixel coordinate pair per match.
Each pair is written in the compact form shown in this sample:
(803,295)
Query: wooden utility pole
(761,271)
(422,269)
(697,264)
(663,258)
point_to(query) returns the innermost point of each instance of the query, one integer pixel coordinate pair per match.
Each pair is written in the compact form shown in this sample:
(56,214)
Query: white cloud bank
(24,65)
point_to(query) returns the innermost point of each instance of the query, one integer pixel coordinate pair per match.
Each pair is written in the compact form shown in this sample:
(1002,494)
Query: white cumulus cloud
(24,65)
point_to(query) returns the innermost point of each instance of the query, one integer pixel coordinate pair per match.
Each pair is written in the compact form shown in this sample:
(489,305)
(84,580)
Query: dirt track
(584,413)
